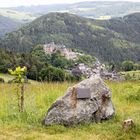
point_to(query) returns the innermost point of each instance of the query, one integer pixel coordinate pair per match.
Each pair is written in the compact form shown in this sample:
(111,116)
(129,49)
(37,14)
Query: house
(66,52)
(49,48)
(82,67)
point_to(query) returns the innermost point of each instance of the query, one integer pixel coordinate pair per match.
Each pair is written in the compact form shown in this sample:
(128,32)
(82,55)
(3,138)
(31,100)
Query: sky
(14,3)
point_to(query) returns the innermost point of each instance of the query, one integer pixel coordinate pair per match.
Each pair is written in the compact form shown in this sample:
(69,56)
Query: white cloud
(11,3)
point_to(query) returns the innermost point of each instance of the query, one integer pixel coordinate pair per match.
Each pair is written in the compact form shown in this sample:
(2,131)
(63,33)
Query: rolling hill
(7,25)
(98,10)
(95,9)
(10,20)
(112,40)
(22,17)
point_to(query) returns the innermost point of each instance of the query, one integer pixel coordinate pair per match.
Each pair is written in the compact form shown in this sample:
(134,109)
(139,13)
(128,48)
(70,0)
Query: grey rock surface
(70,110)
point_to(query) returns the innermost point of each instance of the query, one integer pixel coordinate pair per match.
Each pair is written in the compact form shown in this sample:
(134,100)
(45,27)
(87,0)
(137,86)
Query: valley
(111,41)
(70,71)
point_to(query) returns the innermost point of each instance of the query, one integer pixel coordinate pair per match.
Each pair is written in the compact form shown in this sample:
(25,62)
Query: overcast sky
(14,3)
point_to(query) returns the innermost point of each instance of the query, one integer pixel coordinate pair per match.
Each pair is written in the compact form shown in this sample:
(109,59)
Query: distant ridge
(95,9)
(102,10)
(7,25)
(112,40)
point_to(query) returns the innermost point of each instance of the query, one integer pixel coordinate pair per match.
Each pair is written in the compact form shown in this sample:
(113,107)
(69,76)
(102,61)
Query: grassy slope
(133,74)
(8,25)
(8,77)
(126,97)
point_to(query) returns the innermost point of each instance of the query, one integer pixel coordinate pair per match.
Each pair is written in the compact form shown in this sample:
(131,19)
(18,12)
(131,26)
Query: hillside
(98,10)
(95,9)
(12,19)
(22,17)
(128,26)
(110,41)
(7,25)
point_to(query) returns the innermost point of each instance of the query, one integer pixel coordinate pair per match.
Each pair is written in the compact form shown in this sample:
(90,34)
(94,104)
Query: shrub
(52,74)
(127,65)
(1,80)
(72,78)
(127,77)
(20,78)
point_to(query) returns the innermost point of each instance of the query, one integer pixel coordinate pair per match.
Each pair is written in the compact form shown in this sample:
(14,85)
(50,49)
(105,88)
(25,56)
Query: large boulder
(86,102)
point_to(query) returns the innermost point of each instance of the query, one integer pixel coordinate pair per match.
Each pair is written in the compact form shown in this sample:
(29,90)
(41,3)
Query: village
(66,52)
(81,69)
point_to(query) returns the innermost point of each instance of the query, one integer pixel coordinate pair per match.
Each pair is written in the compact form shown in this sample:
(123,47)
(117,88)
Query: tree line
(41,66)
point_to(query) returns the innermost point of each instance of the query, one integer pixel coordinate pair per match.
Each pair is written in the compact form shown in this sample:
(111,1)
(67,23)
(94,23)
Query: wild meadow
(39,97)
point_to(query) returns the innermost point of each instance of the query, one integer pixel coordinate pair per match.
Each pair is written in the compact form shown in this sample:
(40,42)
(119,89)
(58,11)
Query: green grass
(6,77)
(136,73)
(132,75)
(38,98)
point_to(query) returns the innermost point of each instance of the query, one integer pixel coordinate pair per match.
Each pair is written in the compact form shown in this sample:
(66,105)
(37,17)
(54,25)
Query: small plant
(134,97)
(20,78)
(1,80)
(128,77)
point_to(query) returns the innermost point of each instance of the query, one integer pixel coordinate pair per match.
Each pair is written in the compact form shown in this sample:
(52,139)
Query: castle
(66,52)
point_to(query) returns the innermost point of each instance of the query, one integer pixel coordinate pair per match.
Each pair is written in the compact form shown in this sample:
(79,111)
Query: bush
(3,68)
(127,65)
(52,74)
(33,73)
(127,77)
(72,78)
(1,80)
(86,59)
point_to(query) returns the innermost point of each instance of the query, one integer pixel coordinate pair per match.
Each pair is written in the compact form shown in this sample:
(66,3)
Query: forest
(110,41)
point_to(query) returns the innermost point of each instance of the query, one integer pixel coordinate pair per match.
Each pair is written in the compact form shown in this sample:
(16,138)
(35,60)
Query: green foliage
(33,73)
(7,25)
(19,73)
(127,77)
(52,74)
(127,65)
(39,98)
(1,80)
(71,78)
(57,60)
(130,65)
(136,66)
(86,59)
(7,60)
(110,41)
(131,75)
(36,61)
(134,97)
(48,67)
